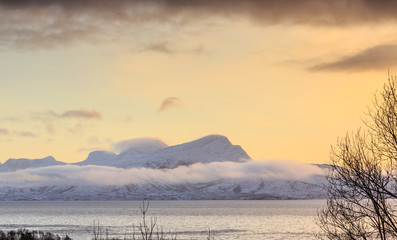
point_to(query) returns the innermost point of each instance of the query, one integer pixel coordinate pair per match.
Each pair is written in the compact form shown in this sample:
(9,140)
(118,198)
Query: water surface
(267,219)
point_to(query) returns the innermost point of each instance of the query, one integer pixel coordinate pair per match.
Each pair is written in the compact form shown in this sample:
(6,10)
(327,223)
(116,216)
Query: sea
(190,220)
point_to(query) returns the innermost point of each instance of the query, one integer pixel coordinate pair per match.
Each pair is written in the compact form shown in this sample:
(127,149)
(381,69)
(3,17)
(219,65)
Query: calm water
(287,219)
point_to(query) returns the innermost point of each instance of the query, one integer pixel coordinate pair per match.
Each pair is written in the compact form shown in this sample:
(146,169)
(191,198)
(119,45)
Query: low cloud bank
(196,173)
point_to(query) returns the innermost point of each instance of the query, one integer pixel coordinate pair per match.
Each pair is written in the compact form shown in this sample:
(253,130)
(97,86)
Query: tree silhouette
(361,188)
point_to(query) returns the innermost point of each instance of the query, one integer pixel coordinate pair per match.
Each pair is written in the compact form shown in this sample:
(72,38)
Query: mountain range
(208,168)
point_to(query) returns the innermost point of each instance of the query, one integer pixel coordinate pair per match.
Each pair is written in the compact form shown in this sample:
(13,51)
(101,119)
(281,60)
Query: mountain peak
(214,138)
(102,158)
(211,148)
(14,164)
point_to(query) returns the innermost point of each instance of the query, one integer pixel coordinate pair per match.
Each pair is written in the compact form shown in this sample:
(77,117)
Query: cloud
(169,103)
(146,144)
(126,119)
(3,131)
(380,57)
(49,120)
(77,114)
(10,119)
(161,47)
(49,23)
(164,48)
(25,134)
(197,173)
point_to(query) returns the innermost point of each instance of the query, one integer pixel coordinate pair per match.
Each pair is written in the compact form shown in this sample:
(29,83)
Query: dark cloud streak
(380,57)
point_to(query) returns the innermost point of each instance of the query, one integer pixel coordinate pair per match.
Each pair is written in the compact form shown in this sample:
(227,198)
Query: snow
(145,154)
(12,164)
(153,153)
(212,148)
(100,158)
(22,163)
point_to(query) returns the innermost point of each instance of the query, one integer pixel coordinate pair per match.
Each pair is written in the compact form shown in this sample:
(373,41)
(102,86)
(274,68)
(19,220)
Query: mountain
(207,168)
(99,158)
(12,165)
(148,153)
(212,148)
(222,189)
(153,153)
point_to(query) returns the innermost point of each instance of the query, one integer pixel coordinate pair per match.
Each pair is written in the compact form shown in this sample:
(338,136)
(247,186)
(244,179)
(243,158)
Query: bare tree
(361,189)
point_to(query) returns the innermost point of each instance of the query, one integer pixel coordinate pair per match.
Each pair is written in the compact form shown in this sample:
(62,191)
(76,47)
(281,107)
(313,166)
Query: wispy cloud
(3,131)
(25,134)
(126,118)
(145,144)
(165,47)
(10,119)
(72,120)
(380,57)
(77,114)
(169,103)
(49,23)
(161,47)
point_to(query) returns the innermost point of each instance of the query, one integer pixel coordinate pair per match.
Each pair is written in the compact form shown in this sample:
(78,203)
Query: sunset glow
(283,79)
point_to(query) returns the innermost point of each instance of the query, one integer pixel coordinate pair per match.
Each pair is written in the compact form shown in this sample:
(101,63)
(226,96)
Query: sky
(283,79)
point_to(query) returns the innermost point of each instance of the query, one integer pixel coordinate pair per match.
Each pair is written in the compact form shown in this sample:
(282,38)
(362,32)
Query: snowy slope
(310,187)
(156,171)
(212,148)
(136,148)
(12,164)
(153,153)
(223,189)
(99,158)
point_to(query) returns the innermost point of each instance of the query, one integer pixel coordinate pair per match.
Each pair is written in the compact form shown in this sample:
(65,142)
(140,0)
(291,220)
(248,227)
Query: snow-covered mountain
(12,164)
(153,153)
(99,158)
(212,148)
(222,189)
(208,168)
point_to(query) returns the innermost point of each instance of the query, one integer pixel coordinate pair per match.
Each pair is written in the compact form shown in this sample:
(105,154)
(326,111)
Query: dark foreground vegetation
(362,181)
(24,234)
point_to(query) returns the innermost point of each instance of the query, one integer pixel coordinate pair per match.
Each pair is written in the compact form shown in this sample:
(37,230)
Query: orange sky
(283,79)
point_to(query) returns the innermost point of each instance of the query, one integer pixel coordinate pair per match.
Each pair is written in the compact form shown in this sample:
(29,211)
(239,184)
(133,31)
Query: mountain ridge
(208,168)
(148,153)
